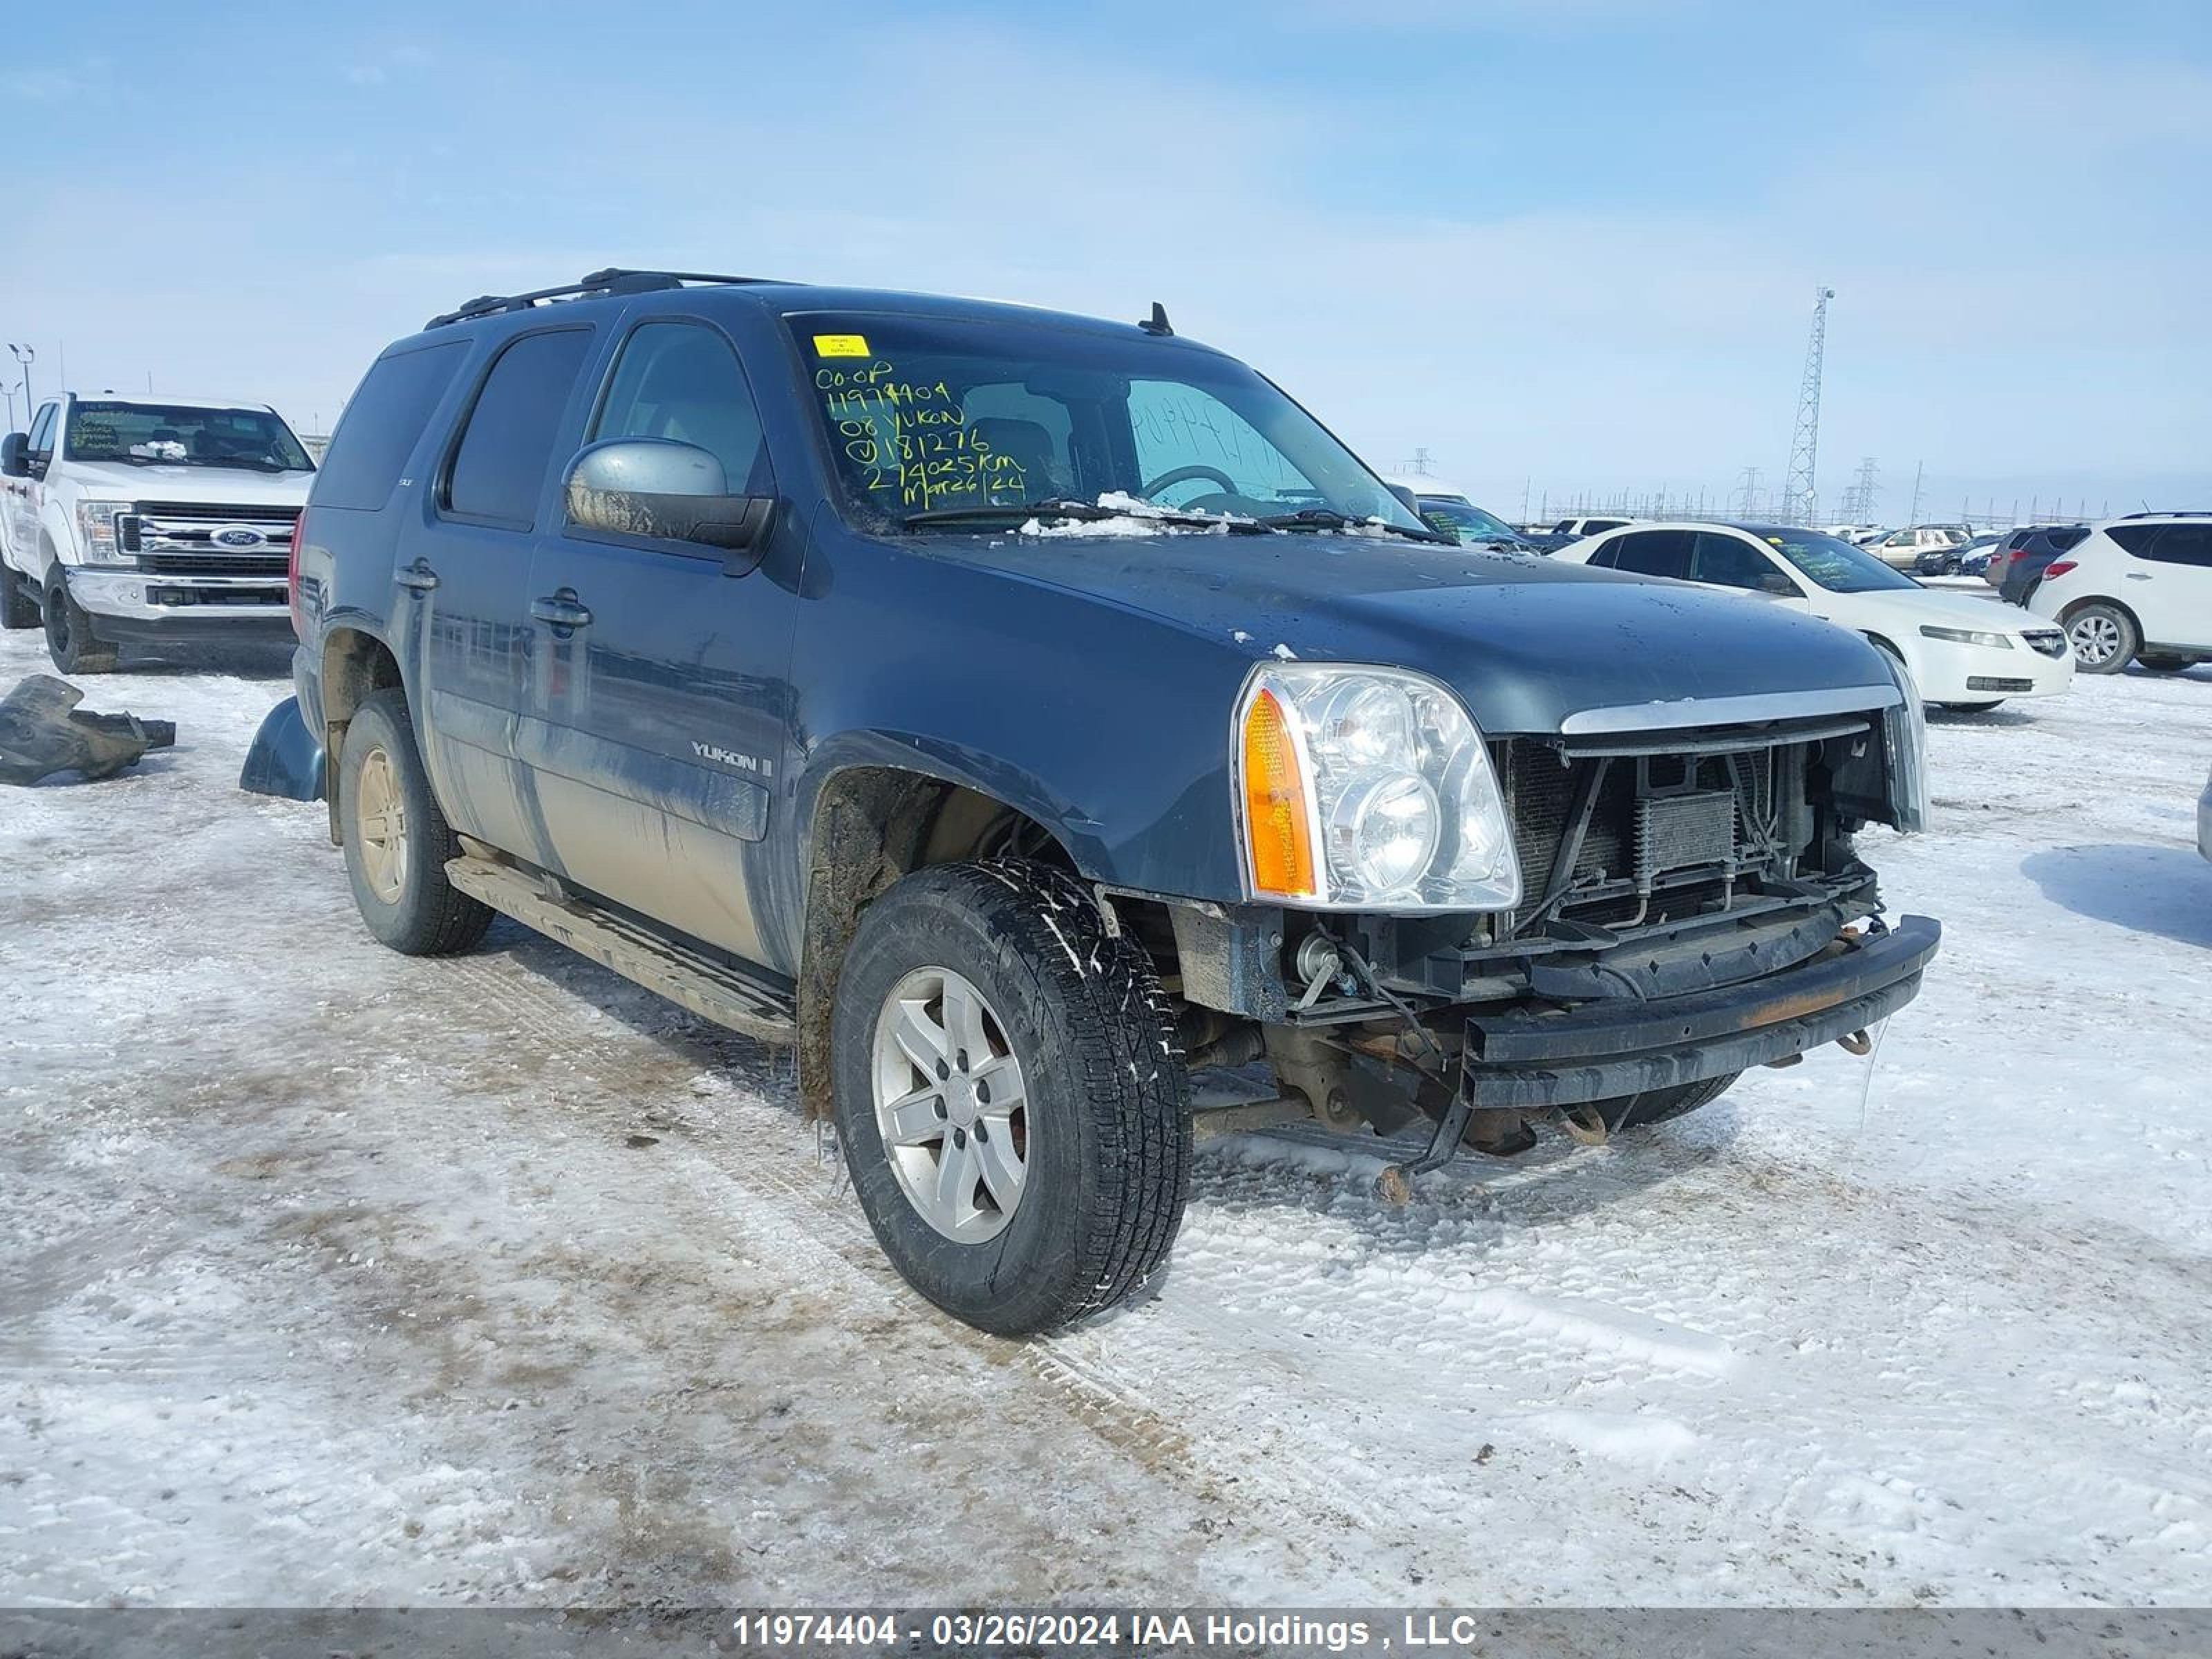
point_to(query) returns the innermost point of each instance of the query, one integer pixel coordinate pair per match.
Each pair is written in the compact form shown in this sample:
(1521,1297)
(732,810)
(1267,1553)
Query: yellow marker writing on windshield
(840,345)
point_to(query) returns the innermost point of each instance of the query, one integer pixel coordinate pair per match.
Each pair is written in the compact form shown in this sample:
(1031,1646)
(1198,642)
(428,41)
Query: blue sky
(1569,246)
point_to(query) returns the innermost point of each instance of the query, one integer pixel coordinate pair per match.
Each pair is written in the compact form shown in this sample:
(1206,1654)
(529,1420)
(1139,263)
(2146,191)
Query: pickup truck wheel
(2104,638)
(70,638)
(396,840)
(1009,1096)
(18,606)
(1658,1105)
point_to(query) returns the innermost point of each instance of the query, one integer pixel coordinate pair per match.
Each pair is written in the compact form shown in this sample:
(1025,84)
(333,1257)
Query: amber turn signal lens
(1275,804)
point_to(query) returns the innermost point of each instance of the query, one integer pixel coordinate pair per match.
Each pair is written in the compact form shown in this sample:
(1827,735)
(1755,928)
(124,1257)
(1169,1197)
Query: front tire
(1009,1096)
(2158,664)
(19,607)
(2104,638)
(396,840)
(70,641)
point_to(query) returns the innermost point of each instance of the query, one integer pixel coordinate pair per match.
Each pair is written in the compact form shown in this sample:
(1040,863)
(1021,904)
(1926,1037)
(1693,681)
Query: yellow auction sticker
(840,345)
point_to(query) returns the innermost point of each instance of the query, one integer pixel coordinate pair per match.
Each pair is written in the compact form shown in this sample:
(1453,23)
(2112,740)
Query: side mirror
(668,491)
(1411,502)
(1775,582)
(14,456)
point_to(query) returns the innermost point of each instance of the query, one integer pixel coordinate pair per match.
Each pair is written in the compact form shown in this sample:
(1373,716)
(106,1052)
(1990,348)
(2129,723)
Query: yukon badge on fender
(1088,719)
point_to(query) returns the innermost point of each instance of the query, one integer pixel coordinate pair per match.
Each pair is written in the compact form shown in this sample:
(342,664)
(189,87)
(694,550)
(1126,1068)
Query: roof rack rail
(613,280)
(2170,513)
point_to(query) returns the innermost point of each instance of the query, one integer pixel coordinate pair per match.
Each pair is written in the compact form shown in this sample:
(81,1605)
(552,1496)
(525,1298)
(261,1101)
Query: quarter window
(499,470)
(378,431)
(40,444)
(681,381)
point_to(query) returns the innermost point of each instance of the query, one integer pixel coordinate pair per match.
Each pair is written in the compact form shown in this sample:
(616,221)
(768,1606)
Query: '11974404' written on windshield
(910,440)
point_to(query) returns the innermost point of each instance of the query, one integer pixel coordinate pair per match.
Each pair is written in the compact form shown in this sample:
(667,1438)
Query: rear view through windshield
(154,435)
(927,416)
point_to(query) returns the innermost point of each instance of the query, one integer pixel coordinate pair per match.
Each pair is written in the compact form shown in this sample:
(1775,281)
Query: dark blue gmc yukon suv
(1052,729)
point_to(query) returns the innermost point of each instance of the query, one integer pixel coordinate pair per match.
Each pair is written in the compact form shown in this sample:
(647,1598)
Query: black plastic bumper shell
(1625,1046)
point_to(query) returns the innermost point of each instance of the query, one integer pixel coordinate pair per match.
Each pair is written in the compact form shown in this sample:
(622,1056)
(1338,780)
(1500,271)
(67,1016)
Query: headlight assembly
(1968,636)
(95,531)
(1905,737)
(1365,787)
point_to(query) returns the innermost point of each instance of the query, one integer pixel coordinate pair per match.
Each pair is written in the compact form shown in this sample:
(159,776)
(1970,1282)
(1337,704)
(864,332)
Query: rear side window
(2062,540)
(377,433)
(681,381)
(499,470)
(2137,538)
(2183,543)
(1653,553)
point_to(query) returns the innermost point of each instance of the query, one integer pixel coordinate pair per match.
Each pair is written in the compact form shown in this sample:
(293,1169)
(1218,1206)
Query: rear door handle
(561,610)
(417,575)
(2138,575)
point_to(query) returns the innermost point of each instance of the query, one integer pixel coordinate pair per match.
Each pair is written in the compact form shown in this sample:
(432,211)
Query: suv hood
(1524,641)
(227,485)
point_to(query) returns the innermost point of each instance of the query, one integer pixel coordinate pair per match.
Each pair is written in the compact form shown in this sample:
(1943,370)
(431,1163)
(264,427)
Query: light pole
(25,356)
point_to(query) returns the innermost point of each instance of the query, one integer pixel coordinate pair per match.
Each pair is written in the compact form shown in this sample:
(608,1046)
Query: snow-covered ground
(327,1276)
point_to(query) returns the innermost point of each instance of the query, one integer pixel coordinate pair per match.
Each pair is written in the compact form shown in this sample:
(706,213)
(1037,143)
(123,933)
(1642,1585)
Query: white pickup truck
(148,520)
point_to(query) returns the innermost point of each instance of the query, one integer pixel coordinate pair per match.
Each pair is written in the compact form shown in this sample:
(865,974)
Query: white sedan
(1964,652)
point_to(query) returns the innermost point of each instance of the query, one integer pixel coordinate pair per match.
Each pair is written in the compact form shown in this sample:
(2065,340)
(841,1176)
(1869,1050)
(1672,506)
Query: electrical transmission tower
(1799,496)
(1747,497)
(1858,505)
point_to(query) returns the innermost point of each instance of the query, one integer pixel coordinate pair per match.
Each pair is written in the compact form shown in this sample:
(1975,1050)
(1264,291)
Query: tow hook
(1858,1042)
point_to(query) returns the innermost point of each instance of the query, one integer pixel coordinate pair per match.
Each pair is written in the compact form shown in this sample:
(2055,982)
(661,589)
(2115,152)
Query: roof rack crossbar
(614,279)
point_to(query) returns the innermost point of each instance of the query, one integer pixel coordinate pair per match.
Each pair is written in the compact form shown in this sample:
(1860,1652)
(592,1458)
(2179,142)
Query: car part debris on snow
(43,732)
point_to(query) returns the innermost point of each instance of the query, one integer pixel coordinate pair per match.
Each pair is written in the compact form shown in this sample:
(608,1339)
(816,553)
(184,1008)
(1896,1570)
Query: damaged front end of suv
(1597,924)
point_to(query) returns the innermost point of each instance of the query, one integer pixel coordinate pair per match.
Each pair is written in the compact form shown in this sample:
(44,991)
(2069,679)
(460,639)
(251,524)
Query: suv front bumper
(1605,1049)
(132,604)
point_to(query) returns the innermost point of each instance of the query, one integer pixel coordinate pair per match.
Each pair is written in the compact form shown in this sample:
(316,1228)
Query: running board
(673,970)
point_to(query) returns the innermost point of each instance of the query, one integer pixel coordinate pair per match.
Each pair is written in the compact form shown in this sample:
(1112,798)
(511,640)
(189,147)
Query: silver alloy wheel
(2095,638)
(950,1105)
(381,825)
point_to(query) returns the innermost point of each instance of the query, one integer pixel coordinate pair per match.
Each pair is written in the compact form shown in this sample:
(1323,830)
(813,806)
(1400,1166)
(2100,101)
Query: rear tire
(2104,637)
(19,608)
(70,641)
(2160,664)
(396,840)
(1017,1220)
(1660,1105)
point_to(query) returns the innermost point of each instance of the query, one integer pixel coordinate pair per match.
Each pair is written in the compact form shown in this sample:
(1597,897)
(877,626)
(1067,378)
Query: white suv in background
(1901,549)
(1965,651)
(2137,589)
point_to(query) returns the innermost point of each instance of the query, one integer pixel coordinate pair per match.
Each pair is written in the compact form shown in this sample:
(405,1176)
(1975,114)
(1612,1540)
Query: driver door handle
(417,575)
(561,610)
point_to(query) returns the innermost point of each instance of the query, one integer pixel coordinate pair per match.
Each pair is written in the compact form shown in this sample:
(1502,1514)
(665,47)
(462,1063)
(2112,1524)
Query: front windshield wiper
(1087,512)
(1328,517)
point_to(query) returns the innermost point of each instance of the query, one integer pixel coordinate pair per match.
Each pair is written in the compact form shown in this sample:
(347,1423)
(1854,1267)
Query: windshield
(1835,565)
(974,420)
(1465,521)
(162,435)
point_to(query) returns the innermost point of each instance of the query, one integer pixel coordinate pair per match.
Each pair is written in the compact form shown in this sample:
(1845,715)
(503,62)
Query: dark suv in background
(1024,713)
(2017,566)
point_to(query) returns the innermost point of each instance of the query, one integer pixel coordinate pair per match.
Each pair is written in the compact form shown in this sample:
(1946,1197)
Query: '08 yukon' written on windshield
(911,441)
